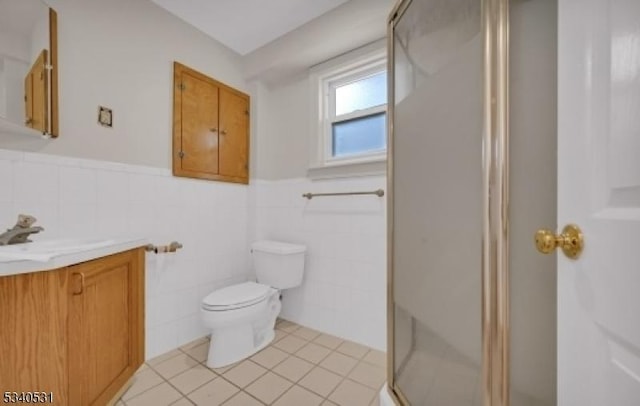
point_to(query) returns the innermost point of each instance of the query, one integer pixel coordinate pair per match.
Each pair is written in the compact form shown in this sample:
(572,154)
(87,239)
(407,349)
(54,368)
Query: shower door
(472,305)
(436,182)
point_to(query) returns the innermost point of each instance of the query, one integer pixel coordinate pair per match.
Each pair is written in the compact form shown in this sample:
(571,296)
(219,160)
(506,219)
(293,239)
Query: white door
(599,189)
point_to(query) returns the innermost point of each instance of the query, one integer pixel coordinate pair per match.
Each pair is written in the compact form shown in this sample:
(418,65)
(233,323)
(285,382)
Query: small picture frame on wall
(105,116)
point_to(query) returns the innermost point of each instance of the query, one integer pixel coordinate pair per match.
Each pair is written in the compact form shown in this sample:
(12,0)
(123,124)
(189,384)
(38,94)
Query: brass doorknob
(571,241)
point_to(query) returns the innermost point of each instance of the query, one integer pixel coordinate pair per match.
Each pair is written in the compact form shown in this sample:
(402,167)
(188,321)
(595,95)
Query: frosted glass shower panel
(437,202)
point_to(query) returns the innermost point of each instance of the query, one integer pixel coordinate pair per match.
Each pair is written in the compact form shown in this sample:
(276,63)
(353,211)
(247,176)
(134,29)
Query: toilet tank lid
(277,247)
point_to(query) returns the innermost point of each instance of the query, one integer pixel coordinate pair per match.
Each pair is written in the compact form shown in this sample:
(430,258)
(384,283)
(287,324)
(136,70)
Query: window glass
(362,94)
(359,135)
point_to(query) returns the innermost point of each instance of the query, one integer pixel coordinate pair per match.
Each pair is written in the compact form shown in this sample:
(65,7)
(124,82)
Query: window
(351,109)
(357,114)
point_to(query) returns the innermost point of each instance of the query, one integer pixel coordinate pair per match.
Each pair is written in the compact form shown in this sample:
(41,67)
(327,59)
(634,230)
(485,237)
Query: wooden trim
(118,395)
(177,121)
(178,67)
(209,176)
(138,293)
(53,50)
(246,180)
(178,70)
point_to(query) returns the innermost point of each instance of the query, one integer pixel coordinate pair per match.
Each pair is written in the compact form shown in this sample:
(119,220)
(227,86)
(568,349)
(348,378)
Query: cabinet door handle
(81,283)
(223,132)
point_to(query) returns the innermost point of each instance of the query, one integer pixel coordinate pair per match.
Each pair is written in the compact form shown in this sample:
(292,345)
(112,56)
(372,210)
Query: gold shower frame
(495,204)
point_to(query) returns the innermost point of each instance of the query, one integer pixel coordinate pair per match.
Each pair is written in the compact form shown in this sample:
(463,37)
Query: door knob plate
(571,241)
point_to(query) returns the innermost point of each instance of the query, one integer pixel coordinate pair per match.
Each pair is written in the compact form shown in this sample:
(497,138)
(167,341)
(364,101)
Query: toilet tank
(278,264)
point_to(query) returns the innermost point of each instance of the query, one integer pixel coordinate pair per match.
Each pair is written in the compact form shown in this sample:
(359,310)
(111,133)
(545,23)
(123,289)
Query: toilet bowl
(242,317)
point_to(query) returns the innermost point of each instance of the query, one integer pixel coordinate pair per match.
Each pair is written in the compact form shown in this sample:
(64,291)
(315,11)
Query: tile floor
(301,367)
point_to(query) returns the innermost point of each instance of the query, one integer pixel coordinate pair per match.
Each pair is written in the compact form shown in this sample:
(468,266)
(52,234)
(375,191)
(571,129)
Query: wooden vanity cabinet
(77,332)
(210,128)
(33,334)
(106,326)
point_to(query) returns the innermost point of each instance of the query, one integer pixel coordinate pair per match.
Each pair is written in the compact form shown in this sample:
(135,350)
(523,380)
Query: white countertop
(66,258)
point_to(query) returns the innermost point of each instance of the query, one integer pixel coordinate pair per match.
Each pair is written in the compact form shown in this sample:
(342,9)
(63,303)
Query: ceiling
(246,25)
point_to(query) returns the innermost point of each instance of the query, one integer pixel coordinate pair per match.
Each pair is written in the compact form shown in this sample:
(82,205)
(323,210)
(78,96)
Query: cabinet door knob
(223,132)
(81,283)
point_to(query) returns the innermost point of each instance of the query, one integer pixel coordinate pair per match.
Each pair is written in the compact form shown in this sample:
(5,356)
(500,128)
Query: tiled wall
(82,198)
(344,288)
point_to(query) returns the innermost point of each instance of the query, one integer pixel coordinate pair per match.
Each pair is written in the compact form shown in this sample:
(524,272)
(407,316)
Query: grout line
(247,393)
(240,363)
(268,370)
(144,391)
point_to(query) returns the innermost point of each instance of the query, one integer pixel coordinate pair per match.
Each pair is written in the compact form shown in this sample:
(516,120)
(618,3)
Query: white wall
(344,287)
(284,133)
(39,38)
(12,74)
(75,198)
(14,65)
(119,54)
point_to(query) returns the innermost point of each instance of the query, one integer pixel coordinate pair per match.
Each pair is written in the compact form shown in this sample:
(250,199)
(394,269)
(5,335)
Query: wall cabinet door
(199,125)
(210,128)
(36,88)
(106,326)
(234,134)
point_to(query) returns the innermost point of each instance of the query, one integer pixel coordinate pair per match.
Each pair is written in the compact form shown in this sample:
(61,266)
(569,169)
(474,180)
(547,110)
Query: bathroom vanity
(73,332)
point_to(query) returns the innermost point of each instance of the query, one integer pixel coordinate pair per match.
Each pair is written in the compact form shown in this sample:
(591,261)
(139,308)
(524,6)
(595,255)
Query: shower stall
(472,174)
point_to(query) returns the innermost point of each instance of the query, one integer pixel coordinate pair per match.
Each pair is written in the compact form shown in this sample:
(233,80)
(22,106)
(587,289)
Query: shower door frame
(495,203)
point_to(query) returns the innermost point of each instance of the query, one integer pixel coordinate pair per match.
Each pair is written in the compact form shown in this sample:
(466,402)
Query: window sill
(350,168)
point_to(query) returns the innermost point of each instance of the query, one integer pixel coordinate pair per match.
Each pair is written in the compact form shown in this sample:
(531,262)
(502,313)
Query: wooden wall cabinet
(77,332)
(210,128)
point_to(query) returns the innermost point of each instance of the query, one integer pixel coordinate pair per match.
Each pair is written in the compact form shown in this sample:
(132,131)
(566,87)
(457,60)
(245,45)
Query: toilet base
(220,354)
(235,342)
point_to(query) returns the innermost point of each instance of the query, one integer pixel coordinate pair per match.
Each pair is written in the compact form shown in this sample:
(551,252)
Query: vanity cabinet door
(33,334)
(106,326)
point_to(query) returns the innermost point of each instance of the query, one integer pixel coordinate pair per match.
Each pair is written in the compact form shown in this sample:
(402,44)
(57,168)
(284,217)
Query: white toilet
(242,317)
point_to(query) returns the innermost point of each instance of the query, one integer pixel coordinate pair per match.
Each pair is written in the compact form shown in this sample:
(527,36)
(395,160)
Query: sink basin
(43,251)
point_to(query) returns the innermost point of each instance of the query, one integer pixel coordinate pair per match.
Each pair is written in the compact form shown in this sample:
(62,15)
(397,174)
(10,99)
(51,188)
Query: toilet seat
(236,296)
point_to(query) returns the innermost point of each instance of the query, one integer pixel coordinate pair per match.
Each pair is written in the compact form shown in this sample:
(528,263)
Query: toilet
(242,317)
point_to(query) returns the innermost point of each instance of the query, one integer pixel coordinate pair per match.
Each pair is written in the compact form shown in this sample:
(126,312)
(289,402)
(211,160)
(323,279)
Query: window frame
(324,80)
(330,84)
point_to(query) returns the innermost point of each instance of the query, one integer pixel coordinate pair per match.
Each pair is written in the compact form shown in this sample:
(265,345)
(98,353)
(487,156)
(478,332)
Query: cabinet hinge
(182,87)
